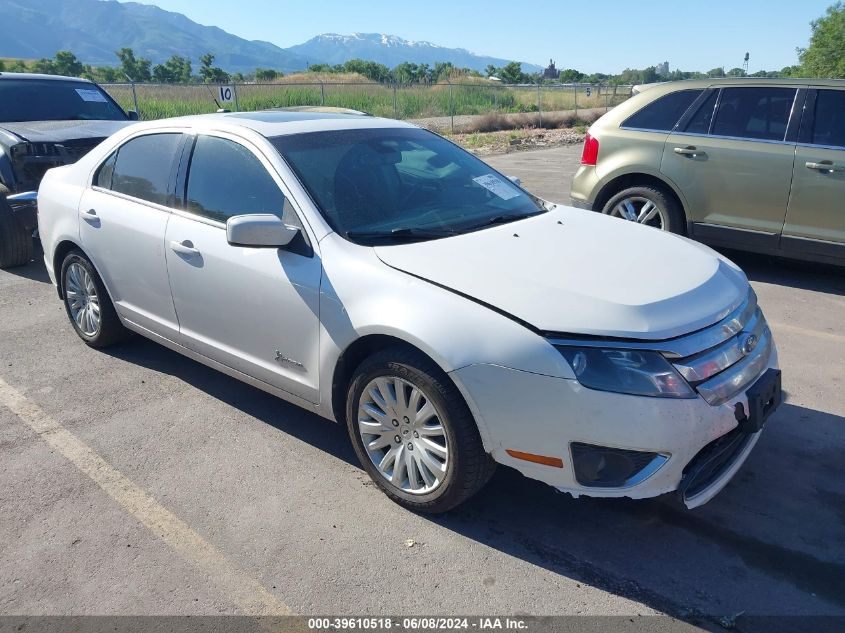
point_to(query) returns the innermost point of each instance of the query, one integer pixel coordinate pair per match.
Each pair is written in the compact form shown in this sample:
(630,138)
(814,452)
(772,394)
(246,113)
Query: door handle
(689,151)
(825,165)
(91,213)
(91,217)
(185,247)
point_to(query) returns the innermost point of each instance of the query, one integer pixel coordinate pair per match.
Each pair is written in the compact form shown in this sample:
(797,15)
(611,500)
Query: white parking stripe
(830,336)
(247,593)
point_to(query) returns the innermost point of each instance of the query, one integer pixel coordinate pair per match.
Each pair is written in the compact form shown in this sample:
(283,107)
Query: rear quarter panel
(58,217)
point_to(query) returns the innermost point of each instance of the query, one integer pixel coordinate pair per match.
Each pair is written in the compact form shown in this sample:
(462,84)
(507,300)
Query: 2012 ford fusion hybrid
(380,276)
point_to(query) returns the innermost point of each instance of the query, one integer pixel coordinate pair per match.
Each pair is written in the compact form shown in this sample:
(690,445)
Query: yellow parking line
(830,336)
(248,594)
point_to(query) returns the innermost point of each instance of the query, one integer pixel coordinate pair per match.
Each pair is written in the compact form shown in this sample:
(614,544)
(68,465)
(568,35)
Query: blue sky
(592,36)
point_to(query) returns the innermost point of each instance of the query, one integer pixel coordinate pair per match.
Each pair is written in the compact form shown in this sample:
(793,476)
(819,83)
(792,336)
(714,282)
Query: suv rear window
(754,113)
(829,119)
(662,115)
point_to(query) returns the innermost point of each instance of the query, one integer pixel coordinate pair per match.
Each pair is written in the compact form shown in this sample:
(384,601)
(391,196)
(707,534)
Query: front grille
(32,160)
(74,150)
(723,370)
(711,461)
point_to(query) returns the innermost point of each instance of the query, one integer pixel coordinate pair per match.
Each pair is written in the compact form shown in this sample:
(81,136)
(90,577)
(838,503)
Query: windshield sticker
(497,186)
(91,95)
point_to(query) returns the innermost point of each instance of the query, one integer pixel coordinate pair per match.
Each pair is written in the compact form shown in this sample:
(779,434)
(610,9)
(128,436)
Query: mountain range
(95,29)
(390,50)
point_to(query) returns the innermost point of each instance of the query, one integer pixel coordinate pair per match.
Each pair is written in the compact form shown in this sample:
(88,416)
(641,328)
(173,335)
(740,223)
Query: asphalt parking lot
(135,481)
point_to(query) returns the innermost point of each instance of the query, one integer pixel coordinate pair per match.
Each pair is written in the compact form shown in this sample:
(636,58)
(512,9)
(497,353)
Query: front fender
(360,295)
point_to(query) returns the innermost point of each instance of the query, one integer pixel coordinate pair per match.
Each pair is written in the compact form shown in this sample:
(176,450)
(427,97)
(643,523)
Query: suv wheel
(16,246)
(649,206)
(413,432)
(88,304)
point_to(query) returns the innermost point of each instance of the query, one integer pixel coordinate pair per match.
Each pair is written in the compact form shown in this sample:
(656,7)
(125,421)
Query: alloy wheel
(82,300)
(403,435)
(641,210)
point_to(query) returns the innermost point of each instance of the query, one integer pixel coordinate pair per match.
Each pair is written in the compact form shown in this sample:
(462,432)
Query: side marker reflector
(556,462)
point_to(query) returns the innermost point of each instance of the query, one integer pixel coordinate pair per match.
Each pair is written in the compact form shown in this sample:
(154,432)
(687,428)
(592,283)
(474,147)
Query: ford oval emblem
(748,343)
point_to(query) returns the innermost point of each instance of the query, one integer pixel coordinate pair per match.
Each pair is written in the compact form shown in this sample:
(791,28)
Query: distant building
(662,69)
(551,72)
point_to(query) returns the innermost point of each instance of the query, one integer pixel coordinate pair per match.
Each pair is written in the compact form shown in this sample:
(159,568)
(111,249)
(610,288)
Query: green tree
(405,73)
(176,70)
(570,75)
(136,69)
(44,66)
(716,72)
(736,72)
(371,70)
(266,74)
(511,73)
(442,70)
(212,74)
(825,56)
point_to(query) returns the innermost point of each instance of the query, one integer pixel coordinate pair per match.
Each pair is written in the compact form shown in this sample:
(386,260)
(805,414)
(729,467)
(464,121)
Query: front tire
(413,432)
(647,205)
(88,304)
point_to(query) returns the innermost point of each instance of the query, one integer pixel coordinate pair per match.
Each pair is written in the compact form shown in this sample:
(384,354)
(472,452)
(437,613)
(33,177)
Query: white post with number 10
(227,94)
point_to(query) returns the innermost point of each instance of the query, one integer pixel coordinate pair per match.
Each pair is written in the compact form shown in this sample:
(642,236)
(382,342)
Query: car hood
(60,131)
(579,272)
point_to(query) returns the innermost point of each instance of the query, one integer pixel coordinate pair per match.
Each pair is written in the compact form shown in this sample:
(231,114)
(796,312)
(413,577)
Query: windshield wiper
(505,218)
(402,233)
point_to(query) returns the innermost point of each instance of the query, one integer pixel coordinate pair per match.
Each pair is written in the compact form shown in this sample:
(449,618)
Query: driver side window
(226,179)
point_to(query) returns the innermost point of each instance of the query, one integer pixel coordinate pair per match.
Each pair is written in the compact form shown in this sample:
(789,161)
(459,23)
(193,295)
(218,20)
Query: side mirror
(515,180)
(260,230)
(133,116)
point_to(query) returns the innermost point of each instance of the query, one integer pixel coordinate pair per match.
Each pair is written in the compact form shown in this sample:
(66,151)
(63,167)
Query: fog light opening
(606,467)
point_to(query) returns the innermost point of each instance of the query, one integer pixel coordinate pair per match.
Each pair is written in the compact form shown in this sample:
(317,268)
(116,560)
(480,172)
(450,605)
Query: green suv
(757,165)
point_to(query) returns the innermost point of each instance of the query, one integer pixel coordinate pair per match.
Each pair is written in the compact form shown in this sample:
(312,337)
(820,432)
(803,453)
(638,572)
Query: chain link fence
(414,101)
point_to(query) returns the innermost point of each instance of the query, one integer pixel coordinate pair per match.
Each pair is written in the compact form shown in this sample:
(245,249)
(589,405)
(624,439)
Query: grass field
(403,102)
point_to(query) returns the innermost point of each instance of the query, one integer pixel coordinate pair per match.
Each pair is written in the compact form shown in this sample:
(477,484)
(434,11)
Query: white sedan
(378,275)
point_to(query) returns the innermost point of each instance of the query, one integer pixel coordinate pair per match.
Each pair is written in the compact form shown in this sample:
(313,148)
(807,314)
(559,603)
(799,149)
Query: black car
(45,121)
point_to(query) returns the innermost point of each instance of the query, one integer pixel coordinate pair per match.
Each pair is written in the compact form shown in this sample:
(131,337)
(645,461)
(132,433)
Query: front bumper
(527,413)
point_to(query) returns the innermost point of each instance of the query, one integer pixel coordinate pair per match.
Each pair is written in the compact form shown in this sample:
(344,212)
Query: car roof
(270,123)
(670,86)
(34,76)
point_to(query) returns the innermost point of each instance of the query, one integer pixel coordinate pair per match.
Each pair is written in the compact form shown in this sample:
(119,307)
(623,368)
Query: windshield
(400,184)
(55,100)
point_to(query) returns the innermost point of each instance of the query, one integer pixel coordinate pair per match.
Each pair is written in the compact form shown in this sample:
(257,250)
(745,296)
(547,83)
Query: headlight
(626,371)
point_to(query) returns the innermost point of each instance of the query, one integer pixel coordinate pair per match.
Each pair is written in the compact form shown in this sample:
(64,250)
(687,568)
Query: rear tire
(16,245)
(648,205)
(87,303)
(438,452)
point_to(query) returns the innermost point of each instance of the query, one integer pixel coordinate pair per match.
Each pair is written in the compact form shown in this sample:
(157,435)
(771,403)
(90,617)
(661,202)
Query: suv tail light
(590,154)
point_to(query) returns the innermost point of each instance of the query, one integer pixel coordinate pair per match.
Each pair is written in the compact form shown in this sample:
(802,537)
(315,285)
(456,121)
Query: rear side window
(754,113)
(144,166)
(226,179)
(662,115)
(829,119)
(105,172)
(699,123)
